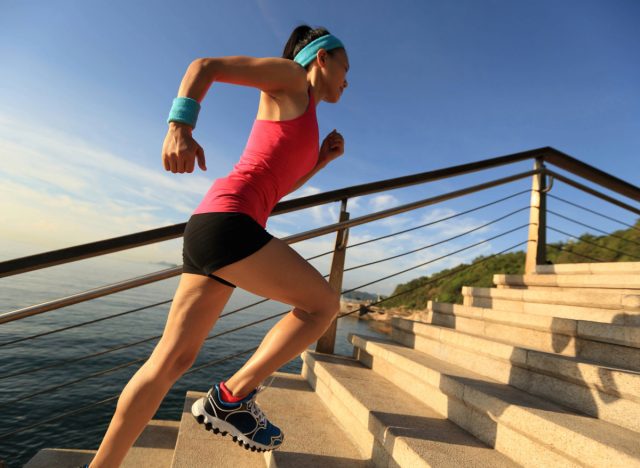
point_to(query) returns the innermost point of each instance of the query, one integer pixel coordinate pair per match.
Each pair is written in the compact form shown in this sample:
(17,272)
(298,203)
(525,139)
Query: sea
(42,378)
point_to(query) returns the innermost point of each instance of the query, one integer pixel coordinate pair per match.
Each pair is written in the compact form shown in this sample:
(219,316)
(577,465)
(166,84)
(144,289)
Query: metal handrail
(593,192)
(175,271)
(547,154)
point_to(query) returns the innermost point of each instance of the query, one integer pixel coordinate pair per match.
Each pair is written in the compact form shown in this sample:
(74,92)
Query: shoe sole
(218,426)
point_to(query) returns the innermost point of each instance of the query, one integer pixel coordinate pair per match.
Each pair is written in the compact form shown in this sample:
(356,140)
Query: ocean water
(20,408)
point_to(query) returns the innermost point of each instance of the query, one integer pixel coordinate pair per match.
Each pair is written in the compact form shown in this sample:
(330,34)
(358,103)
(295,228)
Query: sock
(225,394)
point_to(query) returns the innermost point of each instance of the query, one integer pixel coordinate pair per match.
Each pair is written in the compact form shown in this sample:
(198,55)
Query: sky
(87,86)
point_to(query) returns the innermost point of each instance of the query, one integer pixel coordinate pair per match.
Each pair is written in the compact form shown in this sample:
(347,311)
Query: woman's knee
(171,364)
(328,310)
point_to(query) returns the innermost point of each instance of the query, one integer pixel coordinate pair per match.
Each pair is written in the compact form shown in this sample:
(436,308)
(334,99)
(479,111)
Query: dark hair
(300,37)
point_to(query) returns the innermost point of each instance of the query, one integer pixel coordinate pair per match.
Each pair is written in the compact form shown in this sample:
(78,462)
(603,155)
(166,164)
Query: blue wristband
(184,110)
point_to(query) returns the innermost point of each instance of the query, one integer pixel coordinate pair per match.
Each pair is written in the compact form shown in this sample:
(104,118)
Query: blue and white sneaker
(244,420)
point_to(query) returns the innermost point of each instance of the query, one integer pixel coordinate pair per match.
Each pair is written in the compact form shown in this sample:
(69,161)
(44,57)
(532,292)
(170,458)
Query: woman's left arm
(332,147)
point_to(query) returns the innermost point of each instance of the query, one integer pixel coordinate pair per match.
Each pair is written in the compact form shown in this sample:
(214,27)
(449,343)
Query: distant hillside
(448,289)
(360,296)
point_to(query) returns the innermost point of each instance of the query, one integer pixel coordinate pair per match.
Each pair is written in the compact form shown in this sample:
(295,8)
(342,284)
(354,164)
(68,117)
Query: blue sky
(86,88)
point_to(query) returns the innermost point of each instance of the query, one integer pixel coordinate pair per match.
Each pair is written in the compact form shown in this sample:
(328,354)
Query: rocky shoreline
(380,317)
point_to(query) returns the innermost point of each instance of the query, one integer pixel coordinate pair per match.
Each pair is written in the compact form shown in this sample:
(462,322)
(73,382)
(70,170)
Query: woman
(226,244)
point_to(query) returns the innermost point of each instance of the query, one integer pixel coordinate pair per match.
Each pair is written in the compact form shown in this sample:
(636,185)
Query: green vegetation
(620,246)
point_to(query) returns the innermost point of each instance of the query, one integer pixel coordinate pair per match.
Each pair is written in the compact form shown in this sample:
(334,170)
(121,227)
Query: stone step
(550,334)
(616,268)
(610,281)
(395,428)
(597,341)
(312,435)
(606,393)
(153,449)
(594,306)
(530,430)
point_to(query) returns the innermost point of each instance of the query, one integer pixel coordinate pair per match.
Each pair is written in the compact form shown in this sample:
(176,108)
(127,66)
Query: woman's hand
(332,147)
(180,150)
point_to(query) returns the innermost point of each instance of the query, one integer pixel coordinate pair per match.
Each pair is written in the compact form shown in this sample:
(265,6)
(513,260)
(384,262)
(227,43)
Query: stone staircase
(541,371)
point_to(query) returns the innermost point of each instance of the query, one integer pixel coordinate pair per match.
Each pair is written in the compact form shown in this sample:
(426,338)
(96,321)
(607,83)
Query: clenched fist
(332,147)
(180,150)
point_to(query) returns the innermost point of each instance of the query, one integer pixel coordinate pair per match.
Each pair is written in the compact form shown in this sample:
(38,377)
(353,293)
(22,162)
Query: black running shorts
(216,239)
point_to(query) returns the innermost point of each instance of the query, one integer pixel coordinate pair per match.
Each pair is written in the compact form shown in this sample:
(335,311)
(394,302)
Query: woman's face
(337,66)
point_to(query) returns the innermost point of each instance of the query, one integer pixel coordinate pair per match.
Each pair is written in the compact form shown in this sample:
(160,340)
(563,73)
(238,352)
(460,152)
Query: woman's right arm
(269,74)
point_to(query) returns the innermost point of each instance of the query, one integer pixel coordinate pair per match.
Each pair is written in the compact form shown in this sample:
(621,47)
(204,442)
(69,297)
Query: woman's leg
(278,272)
(196,306)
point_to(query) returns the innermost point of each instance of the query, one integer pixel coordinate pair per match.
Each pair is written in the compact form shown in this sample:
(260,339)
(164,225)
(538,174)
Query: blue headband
(309,52)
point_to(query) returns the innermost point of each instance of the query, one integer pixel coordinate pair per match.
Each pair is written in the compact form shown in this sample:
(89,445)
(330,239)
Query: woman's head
(332,62)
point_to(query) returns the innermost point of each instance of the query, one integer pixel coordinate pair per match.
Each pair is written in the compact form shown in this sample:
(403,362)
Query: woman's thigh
(278,272)
(197,305)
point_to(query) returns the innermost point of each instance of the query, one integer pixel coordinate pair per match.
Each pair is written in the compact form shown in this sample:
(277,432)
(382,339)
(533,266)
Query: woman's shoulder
(287,103)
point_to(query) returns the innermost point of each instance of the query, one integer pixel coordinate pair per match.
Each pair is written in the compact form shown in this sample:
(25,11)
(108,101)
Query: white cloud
(383,202)
(58,190)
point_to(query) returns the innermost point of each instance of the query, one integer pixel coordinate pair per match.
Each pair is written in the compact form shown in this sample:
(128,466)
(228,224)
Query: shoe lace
(256,411)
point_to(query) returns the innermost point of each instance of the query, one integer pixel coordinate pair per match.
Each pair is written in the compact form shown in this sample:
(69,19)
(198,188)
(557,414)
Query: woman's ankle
(228,395)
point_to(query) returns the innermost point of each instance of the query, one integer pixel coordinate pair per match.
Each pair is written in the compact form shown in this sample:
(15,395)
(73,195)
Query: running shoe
(244,420)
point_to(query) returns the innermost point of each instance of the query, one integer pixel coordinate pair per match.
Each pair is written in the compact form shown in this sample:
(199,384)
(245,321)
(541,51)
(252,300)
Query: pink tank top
(277,155)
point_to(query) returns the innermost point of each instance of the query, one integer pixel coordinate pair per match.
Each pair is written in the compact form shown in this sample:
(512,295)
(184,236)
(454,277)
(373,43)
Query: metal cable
(594,212)
(591,227)
(425,225)
(130,363)
(592,243)
(437,243)
(574,253)
(57,330)
(101,402)
(436,259)
(451,273)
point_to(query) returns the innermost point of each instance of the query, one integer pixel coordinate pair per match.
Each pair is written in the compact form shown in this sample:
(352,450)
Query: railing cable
(437,243)
(594,212)
(562,249)
(101,402)
(435,259)
(447,218)
(433,280)
(592,243)
(130,363)
(81,324)
(594,228)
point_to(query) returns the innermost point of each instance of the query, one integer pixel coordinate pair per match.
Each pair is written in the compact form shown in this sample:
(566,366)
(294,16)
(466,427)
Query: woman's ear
(322,58)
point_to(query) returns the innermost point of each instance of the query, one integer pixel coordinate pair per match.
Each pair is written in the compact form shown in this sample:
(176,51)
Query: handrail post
(537,245)
(326,343)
